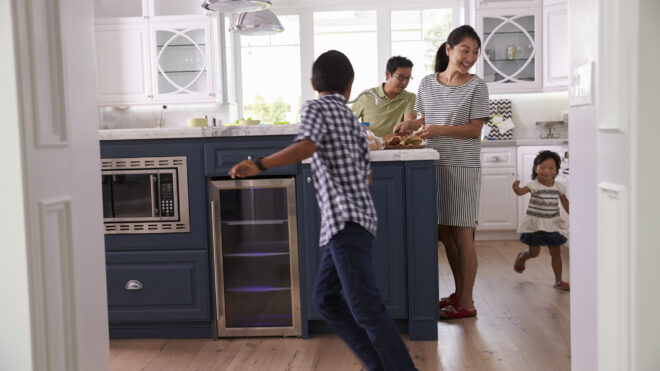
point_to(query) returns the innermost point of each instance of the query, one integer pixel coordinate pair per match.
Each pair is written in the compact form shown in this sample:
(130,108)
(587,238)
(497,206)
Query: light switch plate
(581,85)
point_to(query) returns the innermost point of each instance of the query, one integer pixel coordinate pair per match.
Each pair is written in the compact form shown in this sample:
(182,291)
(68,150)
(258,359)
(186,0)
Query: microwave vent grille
(146,228)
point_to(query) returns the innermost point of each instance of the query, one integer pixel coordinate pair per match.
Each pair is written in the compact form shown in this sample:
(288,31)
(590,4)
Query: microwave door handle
(154,195)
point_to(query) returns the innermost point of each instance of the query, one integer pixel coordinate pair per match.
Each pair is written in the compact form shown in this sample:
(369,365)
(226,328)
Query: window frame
(305,11)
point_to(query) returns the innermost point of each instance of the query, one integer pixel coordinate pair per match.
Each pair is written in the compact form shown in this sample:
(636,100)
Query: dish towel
(500,107)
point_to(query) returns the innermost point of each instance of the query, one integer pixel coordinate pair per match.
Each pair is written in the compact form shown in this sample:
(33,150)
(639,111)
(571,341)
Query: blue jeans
(360,319)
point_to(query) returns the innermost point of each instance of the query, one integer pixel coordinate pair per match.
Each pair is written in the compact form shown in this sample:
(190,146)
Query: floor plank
(523,324)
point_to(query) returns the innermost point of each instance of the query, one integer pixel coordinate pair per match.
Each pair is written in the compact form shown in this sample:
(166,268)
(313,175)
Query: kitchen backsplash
(527,110)
(173,116)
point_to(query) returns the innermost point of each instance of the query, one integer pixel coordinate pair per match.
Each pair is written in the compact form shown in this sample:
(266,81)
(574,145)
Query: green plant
(268,112)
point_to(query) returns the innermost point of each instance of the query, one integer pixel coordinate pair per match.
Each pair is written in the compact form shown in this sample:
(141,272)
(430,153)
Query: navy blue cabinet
(158,286)
(389,254)
(223,153)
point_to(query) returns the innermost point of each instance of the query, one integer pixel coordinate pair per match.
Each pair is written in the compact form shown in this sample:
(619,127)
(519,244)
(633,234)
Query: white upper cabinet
(507,3)
(555,40)
(524,45)
(511,49)
(145,54)
(122,62)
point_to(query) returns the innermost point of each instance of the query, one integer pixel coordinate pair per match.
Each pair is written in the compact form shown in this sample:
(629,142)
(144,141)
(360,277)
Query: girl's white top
(543,210)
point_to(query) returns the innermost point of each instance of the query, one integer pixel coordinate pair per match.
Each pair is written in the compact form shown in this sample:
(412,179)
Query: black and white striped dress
(459,167)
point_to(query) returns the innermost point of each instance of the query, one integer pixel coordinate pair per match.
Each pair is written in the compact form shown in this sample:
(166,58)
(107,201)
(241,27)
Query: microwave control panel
(166,195)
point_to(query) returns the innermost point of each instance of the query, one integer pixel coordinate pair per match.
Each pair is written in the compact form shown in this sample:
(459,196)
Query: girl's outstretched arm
(564,202)
(518,190)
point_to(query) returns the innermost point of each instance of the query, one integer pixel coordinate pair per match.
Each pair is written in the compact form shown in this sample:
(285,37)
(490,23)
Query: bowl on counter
(197,122)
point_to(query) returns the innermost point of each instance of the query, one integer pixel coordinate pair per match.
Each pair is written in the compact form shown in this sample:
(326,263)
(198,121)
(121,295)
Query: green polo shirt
(387,114)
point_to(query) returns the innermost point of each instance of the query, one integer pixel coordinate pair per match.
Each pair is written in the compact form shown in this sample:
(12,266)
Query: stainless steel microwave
(145,195)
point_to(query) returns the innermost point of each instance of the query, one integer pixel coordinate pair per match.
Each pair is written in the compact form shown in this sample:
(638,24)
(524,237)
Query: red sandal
(454,311)
(562,285)
(517,266)
(445,302)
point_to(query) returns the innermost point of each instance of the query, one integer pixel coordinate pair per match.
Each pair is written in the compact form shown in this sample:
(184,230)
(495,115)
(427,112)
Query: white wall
(583,41)
(646,201)
(174,116)
(15,328)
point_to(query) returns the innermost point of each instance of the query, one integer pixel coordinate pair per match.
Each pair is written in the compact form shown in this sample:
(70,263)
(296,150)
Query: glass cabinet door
(182,61)
(510,51)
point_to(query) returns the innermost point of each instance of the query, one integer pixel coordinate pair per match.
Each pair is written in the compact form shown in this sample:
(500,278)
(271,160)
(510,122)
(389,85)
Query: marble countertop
(257,130)
(198,132)
(525,142)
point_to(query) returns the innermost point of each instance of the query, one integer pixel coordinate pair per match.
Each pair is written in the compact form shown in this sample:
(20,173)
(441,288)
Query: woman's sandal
(517,266)
(454,311)
(445,302)
(562,285)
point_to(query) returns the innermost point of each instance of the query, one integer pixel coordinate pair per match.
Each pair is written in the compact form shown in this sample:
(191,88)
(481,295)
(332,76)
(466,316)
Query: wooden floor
(523,324)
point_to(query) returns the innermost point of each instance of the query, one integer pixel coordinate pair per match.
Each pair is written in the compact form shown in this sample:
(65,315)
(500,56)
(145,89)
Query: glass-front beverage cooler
(255,257)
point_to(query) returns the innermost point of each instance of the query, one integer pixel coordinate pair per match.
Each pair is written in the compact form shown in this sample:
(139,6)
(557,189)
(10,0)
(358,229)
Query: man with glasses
(396,104)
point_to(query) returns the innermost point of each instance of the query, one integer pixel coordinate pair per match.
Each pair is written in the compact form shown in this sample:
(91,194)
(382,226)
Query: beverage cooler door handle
(214,255)
(154,195)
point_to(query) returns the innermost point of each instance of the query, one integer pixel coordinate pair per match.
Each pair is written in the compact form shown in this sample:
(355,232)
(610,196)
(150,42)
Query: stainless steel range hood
(263,22)
(235,6)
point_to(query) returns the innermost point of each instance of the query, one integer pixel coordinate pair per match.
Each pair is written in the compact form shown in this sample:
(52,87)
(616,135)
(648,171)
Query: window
(354,34)
(271,75)
(416,35)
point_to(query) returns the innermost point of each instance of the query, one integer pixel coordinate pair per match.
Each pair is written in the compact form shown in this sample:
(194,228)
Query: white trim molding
(614,278)
(42,83)
(53,287)
(617,72)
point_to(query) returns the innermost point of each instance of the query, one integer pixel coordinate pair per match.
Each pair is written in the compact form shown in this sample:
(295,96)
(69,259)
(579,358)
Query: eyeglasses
(402,78)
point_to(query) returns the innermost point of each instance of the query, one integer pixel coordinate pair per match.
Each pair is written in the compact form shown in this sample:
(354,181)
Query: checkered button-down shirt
(340,165)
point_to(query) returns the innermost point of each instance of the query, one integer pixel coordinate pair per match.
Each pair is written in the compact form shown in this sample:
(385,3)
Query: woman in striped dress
(454,106)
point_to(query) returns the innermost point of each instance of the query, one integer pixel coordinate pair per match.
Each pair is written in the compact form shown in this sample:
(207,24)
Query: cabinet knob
(309,179)
(249,158)
(496,158)
(134,285)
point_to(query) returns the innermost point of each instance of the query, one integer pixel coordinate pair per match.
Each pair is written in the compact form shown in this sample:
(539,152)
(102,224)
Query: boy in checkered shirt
(345,292)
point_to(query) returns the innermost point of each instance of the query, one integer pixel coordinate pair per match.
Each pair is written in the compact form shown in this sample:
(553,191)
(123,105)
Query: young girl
(542,224)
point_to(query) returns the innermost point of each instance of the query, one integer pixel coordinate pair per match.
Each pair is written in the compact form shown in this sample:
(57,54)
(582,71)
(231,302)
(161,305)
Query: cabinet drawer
(158,286)
(219,157)
(498,157)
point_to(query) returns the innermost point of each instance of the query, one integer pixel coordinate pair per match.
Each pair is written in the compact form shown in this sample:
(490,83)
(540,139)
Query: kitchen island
(405,249)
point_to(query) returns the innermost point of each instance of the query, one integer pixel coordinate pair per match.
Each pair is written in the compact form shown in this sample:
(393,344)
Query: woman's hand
(407,127)
(244,169)
(430,131)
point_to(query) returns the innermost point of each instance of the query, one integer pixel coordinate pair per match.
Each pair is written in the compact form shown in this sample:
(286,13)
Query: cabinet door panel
(156,286)
(555,39)
(388,252)
(122,62)
(497,201)
(221,156)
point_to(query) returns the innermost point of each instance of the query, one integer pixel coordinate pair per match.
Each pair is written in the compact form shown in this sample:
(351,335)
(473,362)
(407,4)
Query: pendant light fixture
(262,22)
(235,6)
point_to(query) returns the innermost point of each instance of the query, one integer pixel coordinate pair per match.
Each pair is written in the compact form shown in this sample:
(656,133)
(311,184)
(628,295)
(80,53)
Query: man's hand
(244,169)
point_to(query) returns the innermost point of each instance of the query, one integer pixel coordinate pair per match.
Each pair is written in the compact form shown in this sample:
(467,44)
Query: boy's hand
(516,184)
(244,169)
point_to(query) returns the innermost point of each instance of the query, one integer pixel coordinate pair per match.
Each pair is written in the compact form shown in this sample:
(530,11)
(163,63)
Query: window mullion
(306,53)
(384,36)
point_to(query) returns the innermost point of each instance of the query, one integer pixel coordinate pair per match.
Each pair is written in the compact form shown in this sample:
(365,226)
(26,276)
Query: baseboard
(496,235)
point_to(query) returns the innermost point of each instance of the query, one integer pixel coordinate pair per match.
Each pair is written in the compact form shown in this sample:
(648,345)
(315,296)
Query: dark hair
(398,62)
(454,38)
(542,156)
(331,72)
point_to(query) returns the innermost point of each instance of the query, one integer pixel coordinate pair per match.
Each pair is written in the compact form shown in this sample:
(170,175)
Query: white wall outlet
(580,91)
